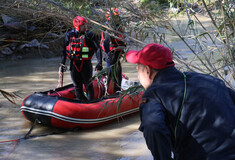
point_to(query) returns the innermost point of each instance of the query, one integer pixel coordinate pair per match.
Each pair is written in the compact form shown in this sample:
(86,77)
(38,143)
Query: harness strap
(102,42)
(102,38)
(70,45)
(82,44)
(79,70)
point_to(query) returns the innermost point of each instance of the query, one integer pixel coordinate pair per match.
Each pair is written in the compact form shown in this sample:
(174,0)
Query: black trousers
(81,73)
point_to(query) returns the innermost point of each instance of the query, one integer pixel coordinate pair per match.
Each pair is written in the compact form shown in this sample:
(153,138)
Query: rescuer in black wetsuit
(80,46)
(113,47)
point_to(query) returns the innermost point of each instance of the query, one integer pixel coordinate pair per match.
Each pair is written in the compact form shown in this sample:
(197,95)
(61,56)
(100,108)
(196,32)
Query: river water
(117,140)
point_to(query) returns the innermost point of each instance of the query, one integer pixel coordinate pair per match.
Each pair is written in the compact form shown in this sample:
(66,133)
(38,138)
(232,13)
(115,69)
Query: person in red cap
(80,46)
(184,115)
(113,48)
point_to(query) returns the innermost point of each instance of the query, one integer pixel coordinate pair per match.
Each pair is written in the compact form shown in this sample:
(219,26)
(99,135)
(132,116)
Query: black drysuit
(112,58)
(82,70)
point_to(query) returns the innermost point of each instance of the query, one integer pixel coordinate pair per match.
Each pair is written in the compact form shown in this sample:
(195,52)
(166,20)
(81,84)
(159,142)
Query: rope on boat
(59,95)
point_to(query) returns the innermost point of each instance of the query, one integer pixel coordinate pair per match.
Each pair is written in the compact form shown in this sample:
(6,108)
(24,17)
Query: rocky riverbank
(27,32)
(16,41)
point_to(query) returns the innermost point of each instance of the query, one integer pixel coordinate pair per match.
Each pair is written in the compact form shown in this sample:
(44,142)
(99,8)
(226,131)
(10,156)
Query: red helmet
(115,11)
(77,21)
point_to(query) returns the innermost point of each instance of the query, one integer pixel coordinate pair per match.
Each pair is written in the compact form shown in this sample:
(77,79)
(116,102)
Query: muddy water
(118,140)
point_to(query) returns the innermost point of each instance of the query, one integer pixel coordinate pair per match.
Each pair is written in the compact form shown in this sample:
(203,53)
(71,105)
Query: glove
(62,68)
(99,67)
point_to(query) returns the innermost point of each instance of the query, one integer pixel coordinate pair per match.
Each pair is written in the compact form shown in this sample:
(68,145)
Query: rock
(14,25)
(6,51)
(33,43)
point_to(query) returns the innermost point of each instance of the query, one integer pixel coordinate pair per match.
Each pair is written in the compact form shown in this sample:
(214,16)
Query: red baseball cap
(153,55)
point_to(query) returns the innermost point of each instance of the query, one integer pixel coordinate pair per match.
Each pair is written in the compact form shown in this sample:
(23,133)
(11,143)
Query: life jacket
(77,48)
(113,44)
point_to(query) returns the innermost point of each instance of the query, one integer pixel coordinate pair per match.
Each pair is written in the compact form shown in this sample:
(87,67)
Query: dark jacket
(114,55)
(90,40)
(206,125)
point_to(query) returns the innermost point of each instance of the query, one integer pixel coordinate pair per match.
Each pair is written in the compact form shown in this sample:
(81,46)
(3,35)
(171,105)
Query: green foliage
(154,6)
(148,3)
(80,6)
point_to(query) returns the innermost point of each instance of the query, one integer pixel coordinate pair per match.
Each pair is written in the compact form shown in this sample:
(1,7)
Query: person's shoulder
(201,75)
(89,33)
(70,32)
(150,97)
(205,78)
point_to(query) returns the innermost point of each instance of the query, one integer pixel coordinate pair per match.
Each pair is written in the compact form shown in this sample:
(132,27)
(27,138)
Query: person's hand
(60,72)
(62,68)
(99,67)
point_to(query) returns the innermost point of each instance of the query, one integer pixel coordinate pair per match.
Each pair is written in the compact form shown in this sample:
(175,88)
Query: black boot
(80,95)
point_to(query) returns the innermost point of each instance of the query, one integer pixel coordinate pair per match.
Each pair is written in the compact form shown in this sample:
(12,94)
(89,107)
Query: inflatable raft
(58,108)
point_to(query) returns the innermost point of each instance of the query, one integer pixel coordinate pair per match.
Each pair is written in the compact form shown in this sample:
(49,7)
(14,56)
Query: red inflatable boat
(58,108)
